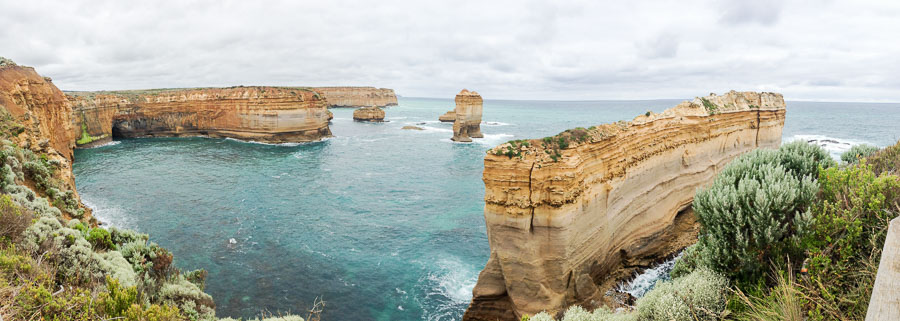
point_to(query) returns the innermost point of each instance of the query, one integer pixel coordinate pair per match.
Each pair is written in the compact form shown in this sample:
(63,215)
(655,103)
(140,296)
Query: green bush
(700,295)
(887,160)
(846,239)
(804,159)
(13,219)
(856,152)
(755,212)
(100,239)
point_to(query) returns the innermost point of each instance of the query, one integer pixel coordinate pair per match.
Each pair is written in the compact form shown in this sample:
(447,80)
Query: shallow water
(382,223)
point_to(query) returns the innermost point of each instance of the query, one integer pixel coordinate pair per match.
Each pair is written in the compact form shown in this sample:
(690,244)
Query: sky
(553,50)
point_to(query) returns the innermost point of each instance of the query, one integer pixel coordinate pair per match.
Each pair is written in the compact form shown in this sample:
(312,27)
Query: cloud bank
(808,50)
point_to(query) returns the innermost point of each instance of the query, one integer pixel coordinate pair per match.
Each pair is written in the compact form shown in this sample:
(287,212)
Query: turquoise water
(382,223)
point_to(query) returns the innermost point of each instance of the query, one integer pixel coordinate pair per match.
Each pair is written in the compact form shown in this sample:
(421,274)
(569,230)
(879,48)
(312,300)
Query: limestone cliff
(40,108)
(448,117)
(563,213)
(468,116)
(369,114)
(266,114)
(358,96)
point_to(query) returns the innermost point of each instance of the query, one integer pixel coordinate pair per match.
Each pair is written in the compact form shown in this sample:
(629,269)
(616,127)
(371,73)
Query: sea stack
(468,116)
(566,214)
(373,114)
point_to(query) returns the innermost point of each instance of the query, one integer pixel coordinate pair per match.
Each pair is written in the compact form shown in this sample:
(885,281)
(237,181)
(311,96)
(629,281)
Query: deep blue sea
(381,223)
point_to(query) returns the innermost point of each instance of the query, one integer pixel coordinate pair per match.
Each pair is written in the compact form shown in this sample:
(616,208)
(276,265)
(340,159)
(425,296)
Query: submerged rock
(413,127)
(373,114)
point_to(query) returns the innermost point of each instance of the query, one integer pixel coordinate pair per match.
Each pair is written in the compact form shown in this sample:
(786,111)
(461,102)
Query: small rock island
(372,114)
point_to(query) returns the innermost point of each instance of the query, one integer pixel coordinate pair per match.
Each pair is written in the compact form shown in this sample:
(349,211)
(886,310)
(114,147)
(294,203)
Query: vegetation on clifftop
(793,235)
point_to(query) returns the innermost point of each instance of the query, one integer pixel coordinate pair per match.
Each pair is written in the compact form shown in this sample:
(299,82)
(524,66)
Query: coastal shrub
(100,239)
(189,298)
(846,238)
(856,152)
(887,160)
(754,213)
(13,219)
(700,295)
(804,159)
(783,302)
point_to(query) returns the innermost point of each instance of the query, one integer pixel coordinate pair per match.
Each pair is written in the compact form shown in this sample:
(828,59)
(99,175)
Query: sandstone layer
(467,124)
(36,116)
(369,114)
(448,117)
(266,114)
(563,213)
(358,96)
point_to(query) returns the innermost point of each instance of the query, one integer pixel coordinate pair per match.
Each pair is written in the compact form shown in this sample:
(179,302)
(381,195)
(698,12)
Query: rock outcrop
(448,117)
(373,114)
(265,114)
(35,116)
(358,96)
(467,124)
(410,127)
(563,213)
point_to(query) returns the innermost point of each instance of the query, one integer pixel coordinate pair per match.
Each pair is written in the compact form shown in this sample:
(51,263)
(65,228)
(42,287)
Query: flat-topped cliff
(467,124)
(266,114)
(358,96)
(564,212)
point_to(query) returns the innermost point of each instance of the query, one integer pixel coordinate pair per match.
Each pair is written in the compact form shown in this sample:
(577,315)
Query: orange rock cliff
(467,124)
(358,96)
(266,114)
(563,213)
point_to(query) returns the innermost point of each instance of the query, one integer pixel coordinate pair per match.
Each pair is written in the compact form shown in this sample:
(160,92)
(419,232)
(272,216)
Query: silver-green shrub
(804,159)
(756,210)
(700,295)
(856,152)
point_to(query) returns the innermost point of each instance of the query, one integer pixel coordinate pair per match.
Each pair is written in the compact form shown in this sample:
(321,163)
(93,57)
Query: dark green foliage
(100,239)
(13,219)
(710,107)
(857,152)
(850,224)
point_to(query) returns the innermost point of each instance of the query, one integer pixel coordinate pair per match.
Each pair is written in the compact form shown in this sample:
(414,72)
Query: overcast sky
(807,50)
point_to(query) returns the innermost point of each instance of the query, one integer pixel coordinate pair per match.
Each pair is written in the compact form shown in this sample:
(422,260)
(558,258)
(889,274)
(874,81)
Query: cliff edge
(358,96)
(564,212)
(266,114)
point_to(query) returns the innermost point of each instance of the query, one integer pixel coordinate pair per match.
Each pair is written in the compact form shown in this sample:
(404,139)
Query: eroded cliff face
(563,213)
(358,96)
(35,104)
(468,116)
(266,114)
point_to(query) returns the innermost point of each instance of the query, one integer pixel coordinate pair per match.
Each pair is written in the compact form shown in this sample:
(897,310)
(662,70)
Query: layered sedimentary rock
(41,110)
(369,114)
(468,116)
(266,114)
(358,96)
(563,213)
(36,116)
(448,117)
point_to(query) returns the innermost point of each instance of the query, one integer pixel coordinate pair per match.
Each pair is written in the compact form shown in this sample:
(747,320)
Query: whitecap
(494,123)
(493,139)
(109,215)
(109,143)
(645,281)
(834,146)
(435,129)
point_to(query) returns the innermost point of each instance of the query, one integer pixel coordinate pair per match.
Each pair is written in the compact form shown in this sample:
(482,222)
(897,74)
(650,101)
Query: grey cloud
(504,49)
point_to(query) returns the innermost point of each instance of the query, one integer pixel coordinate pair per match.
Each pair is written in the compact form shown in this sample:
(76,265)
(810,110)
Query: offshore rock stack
(467,124)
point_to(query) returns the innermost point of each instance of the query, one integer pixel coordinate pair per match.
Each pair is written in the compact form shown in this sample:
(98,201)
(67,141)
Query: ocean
(379,222)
